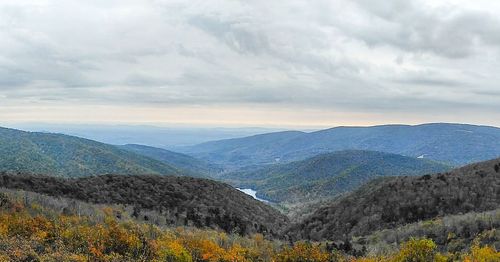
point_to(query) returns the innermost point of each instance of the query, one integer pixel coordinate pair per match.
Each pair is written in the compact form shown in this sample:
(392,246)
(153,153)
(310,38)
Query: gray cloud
(409,26)
(238,35)
(358,55)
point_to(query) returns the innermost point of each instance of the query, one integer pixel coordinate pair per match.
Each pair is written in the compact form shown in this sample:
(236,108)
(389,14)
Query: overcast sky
(259,63)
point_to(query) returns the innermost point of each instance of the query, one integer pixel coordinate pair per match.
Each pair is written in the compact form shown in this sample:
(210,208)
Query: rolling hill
(391,202)
(187,164)
(237,152)
(181,201)
(328,175)
(453,144)
(69,156)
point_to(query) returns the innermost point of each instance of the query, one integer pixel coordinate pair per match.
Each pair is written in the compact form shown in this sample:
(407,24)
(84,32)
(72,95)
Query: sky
(250,63)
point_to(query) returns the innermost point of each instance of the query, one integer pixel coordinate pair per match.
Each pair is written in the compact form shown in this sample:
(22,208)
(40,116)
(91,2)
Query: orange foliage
(303,252)
(32,234)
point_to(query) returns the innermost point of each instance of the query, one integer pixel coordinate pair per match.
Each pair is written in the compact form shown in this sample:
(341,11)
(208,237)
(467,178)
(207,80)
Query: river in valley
(252,193)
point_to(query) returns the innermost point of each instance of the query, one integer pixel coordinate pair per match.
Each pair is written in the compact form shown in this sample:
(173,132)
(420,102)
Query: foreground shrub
(416,250)
(37,234)
(482,254)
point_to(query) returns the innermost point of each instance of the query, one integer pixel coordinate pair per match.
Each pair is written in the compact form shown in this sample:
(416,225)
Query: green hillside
(328,175)
(69,156)
(187,164)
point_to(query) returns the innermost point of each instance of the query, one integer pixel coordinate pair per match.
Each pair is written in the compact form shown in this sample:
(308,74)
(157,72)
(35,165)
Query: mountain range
(348,185)
(455,209)
(451,144)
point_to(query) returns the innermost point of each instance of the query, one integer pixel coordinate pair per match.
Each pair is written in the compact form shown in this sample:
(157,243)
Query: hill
(181,201)
(69,156)
(237,152)
(391,202)
(36,227)
(188,164)
(328,175)
(453,144)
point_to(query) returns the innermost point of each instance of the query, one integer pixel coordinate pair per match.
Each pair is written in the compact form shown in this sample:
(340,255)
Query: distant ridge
(69,156)
(189,165)
(453,144)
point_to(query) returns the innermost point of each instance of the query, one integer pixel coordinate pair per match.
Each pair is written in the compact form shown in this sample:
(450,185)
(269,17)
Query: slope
(454,144)
(328,174)
(188,164)
(181,201)
(237,152)
(391,202)
(63,155)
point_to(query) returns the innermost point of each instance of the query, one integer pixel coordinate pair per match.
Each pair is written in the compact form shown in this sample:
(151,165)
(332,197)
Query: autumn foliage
(34,233)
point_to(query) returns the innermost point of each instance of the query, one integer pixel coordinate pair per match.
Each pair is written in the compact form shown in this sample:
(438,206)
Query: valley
(360,203)
(327,175)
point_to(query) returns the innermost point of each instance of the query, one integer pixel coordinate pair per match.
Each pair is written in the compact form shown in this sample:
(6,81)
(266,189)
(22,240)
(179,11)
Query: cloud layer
(390,57)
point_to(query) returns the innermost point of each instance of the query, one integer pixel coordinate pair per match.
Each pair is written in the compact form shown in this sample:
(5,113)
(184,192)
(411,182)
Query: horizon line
(13,124)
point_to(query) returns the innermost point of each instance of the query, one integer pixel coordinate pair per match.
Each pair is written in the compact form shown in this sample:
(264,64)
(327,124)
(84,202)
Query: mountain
(181,201)
(239,152)
(454,144)
(69,156)
(328,175)
(187,164)
(390,202)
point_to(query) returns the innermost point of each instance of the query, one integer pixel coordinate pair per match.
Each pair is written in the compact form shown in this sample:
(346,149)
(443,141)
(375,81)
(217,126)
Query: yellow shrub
(236,253)
(4,258)
(206,249)
(416,250)
(172,250)
(482,254)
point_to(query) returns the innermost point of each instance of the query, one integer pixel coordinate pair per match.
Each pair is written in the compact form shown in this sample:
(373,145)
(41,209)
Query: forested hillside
(189,165)
(180,201)
(451,233)
(69,156)
(391,202)
(328,175)
(32,228)
(453,144)
(238,152)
